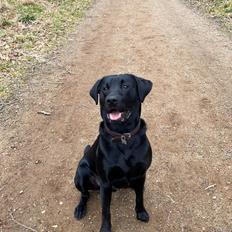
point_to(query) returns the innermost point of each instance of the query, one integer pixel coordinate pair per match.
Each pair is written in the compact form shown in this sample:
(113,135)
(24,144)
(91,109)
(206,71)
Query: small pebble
(21,192)
(55,226)
(13,146)
(82,141)
(214,197)
(38,161)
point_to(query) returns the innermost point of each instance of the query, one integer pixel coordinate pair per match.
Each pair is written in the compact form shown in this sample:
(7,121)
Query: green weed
(4,22)
(4,91)
(28,12)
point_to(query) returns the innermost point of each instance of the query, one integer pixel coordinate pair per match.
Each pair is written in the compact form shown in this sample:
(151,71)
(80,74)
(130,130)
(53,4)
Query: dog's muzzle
(118,116)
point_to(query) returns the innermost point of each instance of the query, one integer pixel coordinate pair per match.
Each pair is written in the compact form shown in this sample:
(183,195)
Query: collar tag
(123,139)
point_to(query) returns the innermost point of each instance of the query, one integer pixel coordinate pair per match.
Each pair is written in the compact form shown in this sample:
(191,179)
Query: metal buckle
(127,135)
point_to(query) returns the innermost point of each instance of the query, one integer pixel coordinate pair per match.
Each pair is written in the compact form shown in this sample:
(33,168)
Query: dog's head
(120,96)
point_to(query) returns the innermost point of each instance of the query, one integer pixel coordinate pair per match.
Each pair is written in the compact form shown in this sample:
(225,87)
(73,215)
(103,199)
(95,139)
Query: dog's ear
(144,87)
(95,90)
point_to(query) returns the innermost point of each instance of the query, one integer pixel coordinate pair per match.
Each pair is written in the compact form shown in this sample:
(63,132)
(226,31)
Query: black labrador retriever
(121,154)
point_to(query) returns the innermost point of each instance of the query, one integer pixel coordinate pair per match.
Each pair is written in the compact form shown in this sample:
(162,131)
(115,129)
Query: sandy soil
(189,115)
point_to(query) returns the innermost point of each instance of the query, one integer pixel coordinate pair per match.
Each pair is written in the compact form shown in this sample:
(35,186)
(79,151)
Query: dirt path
(189,114)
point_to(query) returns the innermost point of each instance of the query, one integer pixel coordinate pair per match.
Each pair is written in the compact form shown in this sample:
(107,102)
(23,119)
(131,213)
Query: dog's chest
(125,168)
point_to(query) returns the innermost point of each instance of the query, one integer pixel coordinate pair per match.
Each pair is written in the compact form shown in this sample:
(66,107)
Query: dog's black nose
(112,100)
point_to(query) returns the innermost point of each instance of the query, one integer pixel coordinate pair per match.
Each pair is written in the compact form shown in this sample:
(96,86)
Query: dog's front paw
(143,215)
(80,211)
(105,228)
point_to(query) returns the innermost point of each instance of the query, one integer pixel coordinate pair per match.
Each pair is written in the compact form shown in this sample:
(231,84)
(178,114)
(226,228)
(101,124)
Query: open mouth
(118,116)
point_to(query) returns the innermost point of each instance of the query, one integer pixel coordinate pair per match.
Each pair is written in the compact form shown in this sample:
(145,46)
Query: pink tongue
(115,115)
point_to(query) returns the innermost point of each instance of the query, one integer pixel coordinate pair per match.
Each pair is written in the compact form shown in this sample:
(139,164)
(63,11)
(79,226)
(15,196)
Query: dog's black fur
(108,165)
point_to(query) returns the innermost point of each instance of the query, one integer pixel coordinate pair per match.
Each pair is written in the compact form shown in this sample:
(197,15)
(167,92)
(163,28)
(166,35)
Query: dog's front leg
(106,193)
(141,212)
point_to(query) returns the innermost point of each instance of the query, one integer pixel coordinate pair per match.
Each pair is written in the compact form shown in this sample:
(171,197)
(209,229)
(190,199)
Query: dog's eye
(125,86)
(105,88)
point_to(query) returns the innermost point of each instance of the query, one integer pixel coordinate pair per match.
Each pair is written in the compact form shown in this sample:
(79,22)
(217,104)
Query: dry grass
(219,9)
(29,30)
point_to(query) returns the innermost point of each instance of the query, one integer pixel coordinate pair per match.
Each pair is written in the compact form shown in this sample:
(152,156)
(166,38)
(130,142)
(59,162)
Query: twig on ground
(211,186)
(20,224)
(44,113)
(171,199)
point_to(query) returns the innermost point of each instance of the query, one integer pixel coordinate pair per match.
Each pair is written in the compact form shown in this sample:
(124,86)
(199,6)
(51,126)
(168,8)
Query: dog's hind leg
(81,182)
(85,179)
(80,210)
